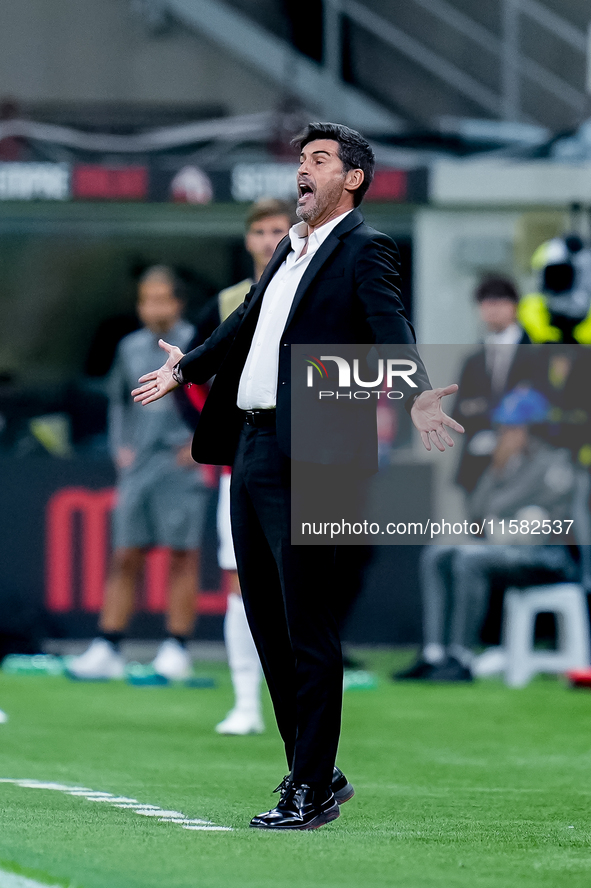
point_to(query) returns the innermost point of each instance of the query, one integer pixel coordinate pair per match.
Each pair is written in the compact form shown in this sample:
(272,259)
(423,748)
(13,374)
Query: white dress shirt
(500,349)
(257,389)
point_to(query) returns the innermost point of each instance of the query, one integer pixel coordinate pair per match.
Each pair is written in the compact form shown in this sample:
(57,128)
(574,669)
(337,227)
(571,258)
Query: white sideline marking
(117,802)
(11,880)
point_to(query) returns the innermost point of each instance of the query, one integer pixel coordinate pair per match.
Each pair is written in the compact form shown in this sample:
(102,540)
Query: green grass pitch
(469,786)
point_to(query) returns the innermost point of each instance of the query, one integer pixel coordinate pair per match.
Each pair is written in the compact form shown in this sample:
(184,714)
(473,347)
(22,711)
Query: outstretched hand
(158,383)
(430,420)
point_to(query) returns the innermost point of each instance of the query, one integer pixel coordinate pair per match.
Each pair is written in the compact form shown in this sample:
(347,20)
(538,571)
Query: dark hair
(168,274)
(269,206)
(355,152)
(496,288)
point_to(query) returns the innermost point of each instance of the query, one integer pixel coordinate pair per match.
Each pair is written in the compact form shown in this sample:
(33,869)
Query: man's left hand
(430,420)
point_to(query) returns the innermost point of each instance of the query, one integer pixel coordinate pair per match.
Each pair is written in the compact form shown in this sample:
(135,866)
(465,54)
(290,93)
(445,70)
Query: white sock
(434,653)
(242,657)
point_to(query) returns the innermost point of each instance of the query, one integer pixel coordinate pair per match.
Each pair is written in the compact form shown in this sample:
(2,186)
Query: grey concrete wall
(89,51)
(453,249)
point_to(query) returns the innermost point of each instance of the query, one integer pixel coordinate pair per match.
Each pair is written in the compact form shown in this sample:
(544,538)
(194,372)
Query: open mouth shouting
(305,192)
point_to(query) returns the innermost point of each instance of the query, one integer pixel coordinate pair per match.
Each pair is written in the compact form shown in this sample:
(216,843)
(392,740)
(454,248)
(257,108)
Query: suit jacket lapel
(352,220)
(278,257)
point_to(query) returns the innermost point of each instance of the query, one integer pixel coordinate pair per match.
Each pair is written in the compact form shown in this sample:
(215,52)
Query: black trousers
(291,604)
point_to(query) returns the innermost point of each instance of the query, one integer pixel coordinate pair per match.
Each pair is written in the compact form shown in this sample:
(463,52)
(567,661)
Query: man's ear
(354,179)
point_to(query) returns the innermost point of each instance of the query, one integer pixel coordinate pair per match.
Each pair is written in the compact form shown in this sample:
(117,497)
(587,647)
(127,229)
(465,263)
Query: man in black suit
(332,280)
(488,374)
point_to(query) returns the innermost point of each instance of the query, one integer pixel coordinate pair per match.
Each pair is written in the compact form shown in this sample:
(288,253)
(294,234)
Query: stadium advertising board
(35,181)
(172,180)
(54,554)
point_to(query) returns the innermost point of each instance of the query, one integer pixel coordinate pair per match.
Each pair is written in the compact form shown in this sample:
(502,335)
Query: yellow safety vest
(230,298)
(534,317)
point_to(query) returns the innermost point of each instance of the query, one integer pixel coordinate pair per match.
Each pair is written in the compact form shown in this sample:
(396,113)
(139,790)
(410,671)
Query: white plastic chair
(568,601)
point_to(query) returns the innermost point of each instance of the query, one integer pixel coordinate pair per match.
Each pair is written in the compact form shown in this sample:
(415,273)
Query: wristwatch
(177,374)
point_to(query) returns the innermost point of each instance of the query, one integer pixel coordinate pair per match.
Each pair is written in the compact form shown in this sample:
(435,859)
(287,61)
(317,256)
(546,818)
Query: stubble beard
(320,204)
(306,214)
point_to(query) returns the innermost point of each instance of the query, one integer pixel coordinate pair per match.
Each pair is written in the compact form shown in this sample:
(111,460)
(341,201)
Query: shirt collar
(299,232)
(511,335)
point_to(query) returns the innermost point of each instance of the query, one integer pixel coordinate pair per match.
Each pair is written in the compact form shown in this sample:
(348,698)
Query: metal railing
(323,85)
(514,64)
(316,85)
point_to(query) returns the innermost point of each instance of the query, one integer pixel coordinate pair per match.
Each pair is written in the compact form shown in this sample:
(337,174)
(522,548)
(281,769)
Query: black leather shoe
(340,786)
(300,807)
(451,670)
(420,670)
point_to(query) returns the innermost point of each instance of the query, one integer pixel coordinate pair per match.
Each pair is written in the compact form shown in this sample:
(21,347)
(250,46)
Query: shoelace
(284,785)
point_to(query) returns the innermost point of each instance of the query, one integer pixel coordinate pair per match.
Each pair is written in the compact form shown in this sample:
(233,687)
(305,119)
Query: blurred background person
(267,223)
(527,479)
(565,382)
(160,496)
(489,373)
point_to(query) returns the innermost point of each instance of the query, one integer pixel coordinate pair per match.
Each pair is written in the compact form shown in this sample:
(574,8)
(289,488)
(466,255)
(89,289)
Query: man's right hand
(159,382)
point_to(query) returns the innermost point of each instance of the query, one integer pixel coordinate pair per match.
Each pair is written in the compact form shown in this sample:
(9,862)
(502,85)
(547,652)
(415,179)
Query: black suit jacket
(475,402)
(348,294)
